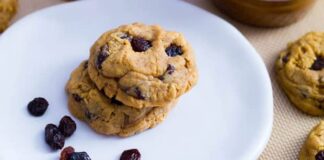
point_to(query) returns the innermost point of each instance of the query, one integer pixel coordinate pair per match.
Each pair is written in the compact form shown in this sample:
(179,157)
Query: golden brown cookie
(107,115)
(142,65)
(8,9)
(313,148)
(300,73)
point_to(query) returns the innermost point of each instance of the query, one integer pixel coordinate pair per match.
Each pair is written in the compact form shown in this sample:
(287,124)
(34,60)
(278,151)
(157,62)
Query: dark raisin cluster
(55,136)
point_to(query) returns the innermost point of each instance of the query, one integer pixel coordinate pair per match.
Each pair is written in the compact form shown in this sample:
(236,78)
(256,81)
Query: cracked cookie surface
(313,148)
(300,73)
(8,9)
(142,65)
(107,115)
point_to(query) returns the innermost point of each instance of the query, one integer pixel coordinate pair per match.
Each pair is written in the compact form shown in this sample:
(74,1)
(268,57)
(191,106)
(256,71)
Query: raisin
(86,63)
(53,137)
(102,56)
(80,156)
(66,153)
(140,44)
(126,36)
(170,69)
(320,155)
(304,49)
(135,92)
(285,59)
(304,93)
(318,64)
(90,115)
(320,106)
(37,106)
(115,101)
(161,78)
(126,119)
(67,126)
(173,50)
(132,154)
(76,97)
(138,93)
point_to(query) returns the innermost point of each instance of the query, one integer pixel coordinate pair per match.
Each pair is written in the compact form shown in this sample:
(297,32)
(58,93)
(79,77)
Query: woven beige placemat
(290,126)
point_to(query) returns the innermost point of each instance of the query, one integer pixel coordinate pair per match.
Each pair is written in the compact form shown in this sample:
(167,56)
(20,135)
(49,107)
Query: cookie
(300,73)
(142,65)
(8,9)
(313,148)
(107,115)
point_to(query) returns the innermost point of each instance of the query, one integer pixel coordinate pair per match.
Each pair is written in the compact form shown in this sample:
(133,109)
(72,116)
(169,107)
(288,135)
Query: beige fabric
(290,125)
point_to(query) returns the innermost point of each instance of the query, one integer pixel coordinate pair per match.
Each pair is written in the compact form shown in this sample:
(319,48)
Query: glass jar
(265,13)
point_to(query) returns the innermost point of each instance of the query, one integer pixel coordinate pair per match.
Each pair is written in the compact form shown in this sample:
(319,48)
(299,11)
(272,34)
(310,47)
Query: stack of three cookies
(134,76)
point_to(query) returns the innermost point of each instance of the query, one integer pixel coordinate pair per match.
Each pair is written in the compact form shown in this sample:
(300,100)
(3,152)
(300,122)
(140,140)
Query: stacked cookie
(134,75)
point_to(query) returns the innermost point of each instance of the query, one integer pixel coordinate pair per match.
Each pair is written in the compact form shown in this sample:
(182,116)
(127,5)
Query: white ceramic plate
(227,116)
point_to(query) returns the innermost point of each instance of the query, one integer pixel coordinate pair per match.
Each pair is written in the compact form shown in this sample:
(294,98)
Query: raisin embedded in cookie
(142,65)
(8,9)
(313,148)
(107,115)
(300,72)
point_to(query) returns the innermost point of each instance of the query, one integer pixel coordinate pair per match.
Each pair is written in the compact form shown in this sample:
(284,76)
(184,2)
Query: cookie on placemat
(313,148)
(142,65)
(105,115)
(8,9)
(301,75)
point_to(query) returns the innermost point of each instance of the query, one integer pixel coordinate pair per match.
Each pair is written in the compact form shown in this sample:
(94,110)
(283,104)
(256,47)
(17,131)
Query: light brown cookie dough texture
(142,78)
(8,9)
(108,116)
(314,143)
(300,73)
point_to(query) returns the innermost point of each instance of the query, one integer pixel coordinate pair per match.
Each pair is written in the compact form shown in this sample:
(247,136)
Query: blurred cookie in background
(313,148)
(8,9)
(300,73)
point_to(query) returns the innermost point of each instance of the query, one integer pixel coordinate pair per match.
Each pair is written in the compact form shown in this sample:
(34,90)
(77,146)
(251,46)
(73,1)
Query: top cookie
(142,66)
(301,75)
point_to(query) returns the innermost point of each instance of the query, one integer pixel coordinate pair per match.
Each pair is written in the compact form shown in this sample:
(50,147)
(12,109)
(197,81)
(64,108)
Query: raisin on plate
(67,126)
(37,106)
